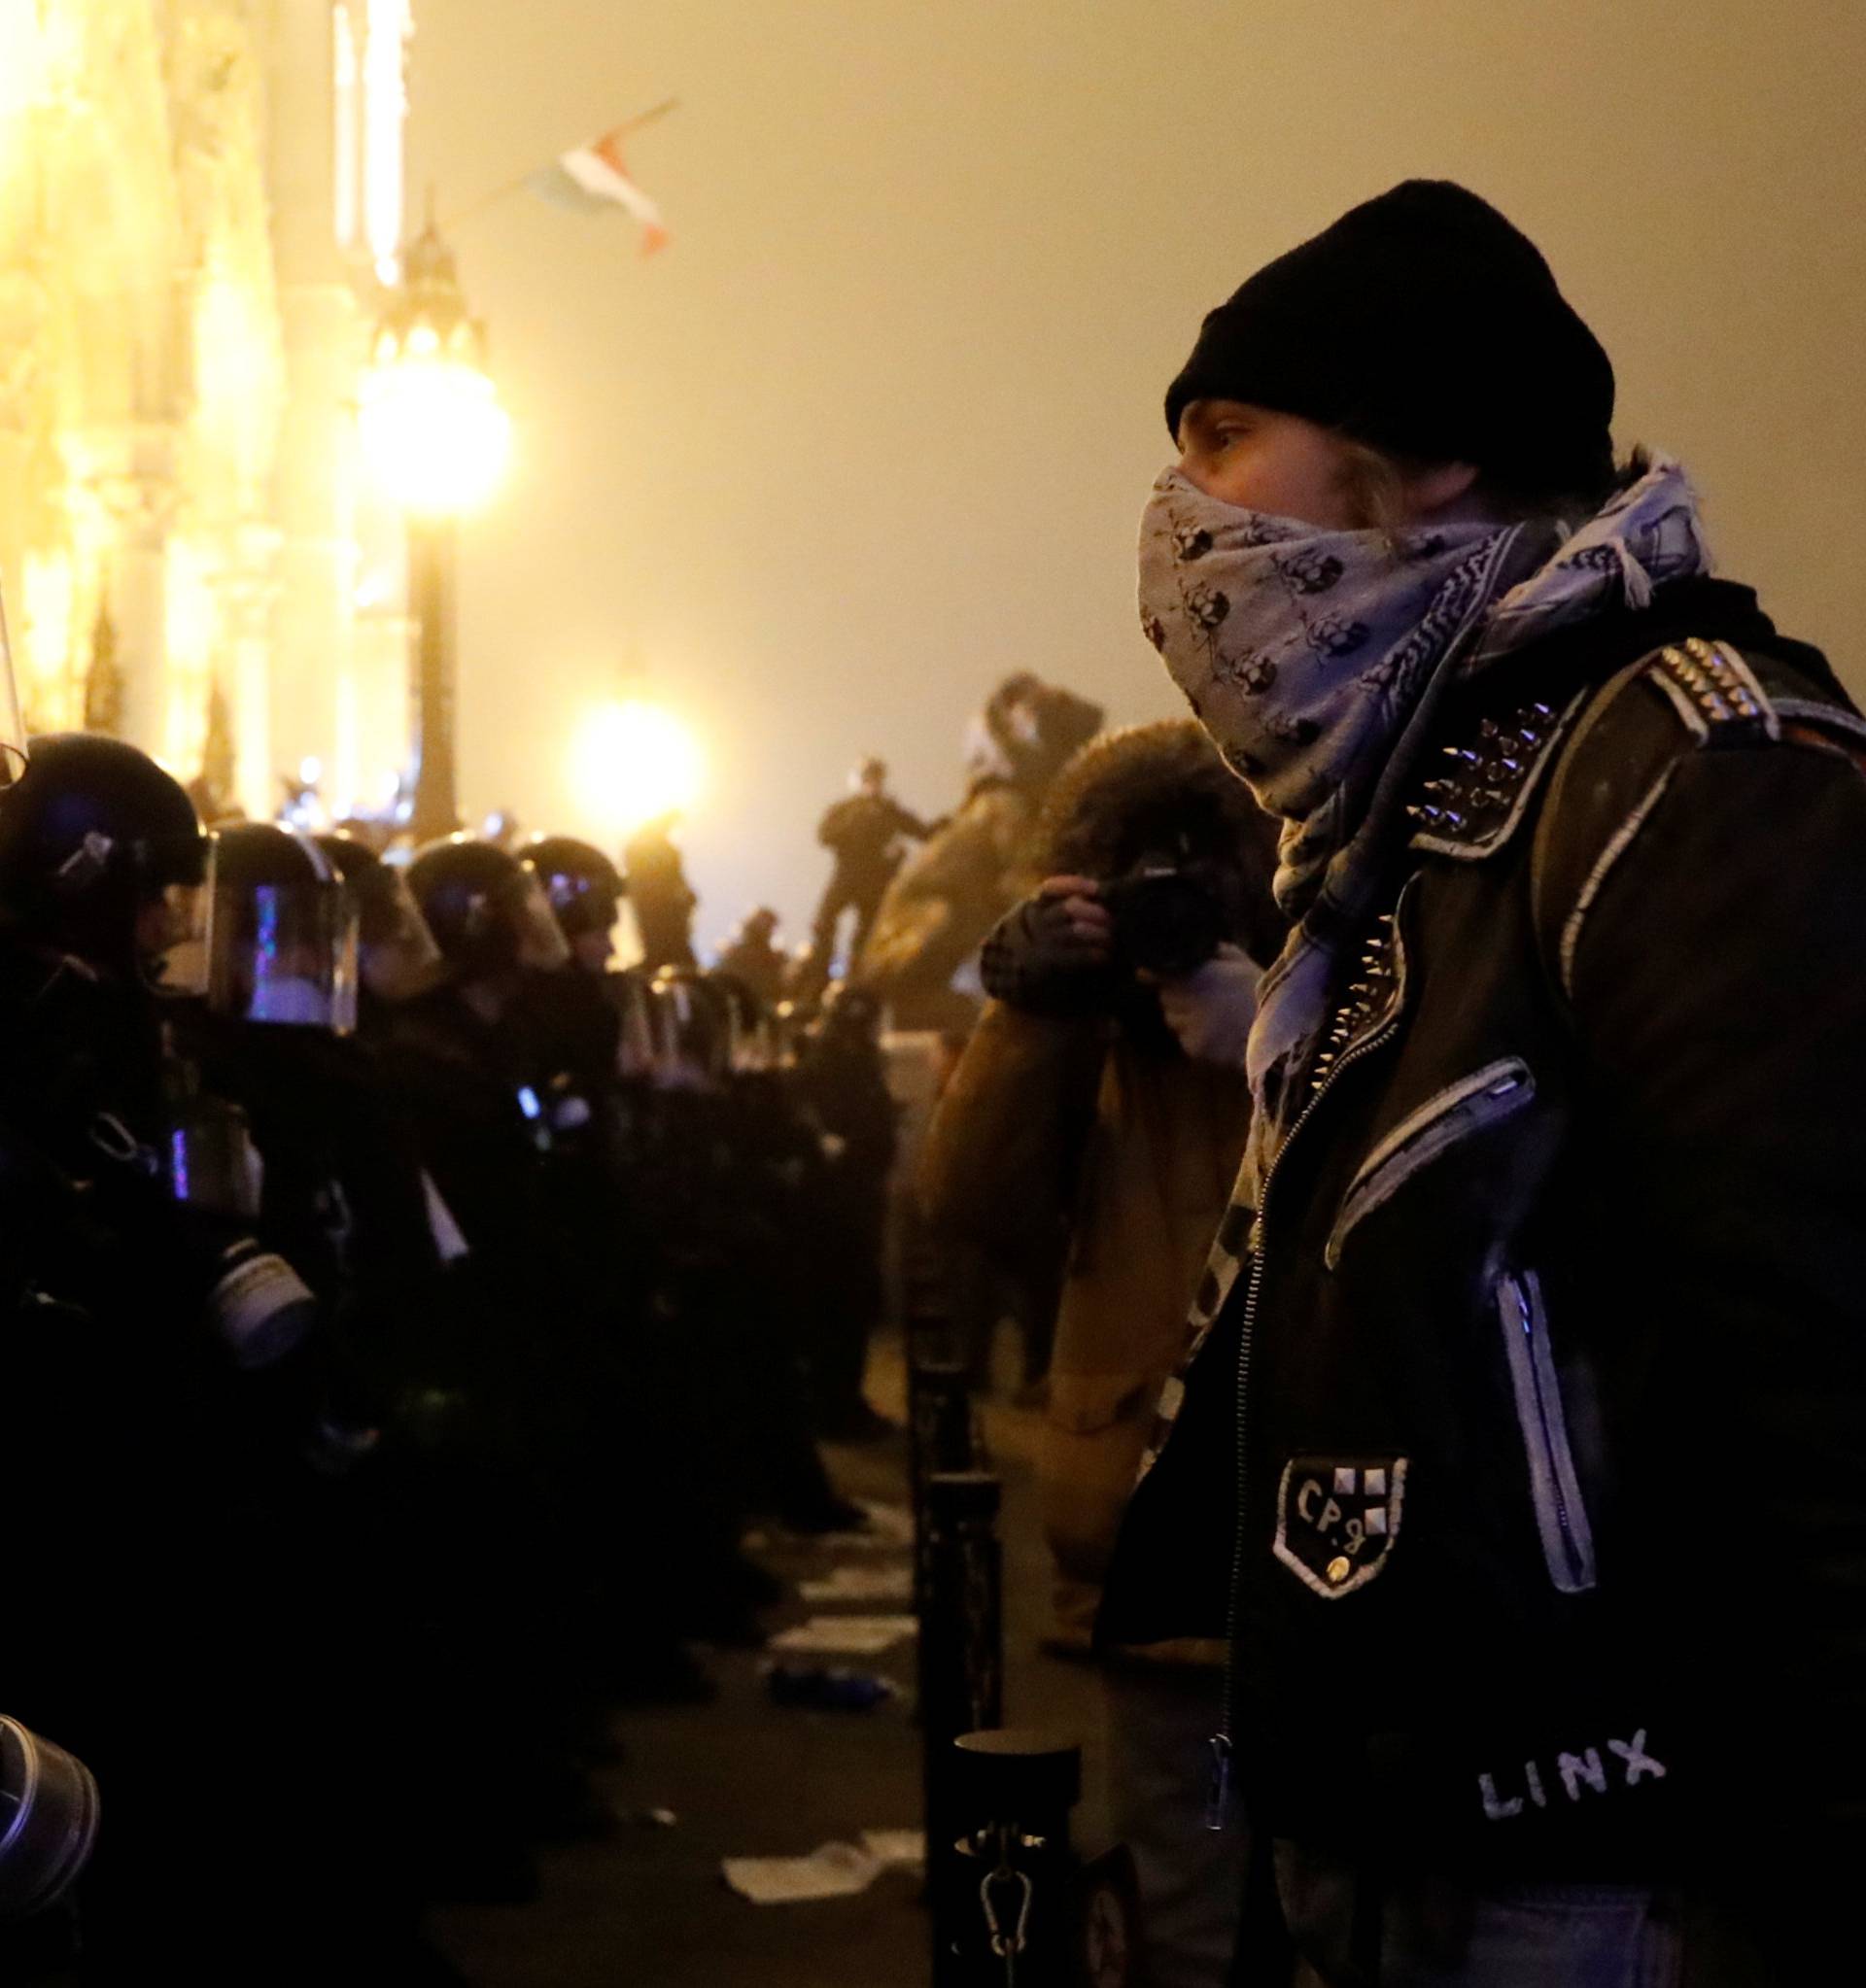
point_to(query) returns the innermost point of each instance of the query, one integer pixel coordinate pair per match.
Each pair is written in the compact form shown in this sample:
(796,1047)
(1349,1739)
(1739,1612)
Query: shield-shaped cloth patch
(1337,1519)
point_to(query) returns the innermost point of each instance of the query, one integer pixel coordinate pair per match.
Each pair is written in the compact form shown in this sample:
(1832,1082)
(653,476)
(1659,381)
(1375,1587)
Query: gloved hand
(1211,1010)
(1051,953)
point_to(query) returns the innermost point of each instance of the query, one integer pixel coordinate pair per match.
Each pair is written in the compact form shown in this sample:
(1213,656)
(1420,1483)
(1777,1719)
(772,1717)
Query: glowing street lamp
(632,762)
(434,435)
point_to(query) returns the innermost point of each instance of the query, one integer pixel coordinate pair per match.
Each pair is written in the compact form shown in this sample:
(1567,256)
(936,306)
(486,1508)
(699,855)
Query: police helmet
(585,889)
(486,910)
(398,957)
(103,855)
(283,945)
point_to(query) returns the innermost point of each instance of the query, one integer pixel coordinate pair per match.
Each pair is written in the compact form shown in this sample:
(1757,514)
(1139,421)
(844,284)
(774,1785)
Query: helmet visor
(399,959)
(212,1162)
(697,1044)
(639,1040)
(174,925)
(540,938)
(285,954)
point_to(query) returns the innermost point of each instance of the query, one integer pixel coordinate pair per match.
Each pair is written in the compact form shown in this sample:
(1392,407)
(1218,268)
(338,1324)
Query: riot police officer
(585,891)
(396,957)
(678,1569)
(740,1166)
(157,1335)
(468,1061)
(843,1077)
(332,1590)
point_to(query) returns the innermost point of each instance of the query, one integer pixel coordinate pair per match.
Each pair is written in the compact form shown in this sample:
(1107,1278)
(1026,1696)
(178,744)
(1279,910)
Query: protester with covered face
(1517,1458)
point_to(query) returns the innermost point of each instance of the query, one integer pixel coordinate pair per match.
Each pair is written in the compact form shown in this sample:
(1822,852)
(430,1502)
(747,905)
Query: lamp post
(433,430)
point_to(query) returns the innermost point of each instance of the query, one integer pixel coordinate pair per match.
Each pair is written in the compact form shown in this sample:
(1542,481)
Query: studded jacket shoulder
(1518,1458)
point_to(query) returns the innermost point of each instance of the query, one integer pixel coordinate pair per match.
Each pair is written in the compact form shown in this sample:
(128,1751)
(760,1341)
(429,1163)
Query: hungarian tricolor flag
(594,177)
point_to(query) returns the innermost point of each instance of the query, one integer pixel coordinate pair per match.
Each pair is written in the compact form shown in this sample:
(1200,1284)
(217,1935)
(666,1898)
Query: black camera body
(1168,920)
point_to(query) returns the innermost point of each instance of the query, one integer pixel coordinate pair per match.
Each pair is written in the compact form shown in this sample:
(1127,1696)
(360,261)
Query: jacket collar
(1502,736)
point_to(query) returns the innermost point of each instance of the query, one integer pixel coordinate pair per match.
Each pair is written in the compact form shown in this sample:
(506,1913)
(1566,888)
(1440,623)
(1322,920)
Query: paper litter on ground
(893,1523)
(898,1848)
(847,1635)
(832,1871)
(861,1584)
(889,1529)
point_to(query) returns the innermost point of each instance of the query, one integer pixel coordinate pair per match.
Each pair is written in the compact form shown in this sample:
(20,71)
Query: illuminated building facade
(199,199)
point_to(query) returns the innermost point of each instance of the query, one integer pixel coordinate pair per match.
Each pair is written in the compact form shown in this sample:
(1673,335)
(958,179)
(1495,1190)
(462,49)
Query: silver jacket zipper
(1459,1112)
(1546,1429)
(1223,1742)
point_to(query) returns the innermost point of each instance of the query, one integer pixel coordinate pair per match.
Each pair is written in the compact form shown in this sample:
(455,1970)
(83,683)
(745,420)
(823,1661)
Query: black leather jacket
(1542,1390)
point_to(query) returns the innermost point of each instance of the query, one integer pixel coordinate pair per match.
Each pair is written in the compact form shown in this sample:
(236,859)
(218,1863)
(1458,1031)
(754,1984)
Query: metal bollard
(941,1428)
(929,1331)
(926,1294)
(1013,1917)
(961,1665)
(944,1435)
(939,1440)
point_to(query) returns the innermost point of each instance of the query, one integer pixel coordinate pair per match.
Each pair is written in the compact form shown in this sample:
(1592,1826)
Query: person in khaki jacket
(1091,1136)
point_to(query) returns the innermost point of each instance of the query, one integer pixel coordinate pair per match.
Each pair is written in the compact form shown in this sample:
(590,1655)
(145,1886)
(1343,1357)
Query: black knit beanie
(1423,323)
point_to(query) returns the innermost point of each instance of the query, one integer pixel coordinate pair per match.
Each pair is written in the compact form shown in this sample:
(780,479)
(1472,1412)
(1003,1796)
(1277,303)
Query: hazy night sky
(877,428)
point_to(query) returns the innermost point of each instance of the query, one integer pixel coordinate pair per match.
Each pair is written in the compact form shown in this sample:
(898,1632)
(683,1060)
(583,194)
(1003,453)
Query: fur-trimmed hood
(1161,790)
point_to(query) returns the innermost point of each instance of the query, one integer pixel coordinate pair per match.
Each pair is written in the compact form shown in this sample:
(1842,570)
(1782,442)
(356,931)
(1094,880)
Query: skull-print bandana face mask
(1304,651)
(1317,660)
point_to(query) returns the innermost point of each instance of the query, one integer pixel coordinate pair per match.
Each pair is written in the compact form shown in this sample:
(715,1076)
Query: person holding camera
(1089,1139)
(1517,1461)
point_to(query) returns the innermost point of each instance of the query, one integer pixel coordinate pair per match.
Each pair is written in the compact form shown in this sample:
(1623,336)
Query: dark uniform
(841,1078)
(664,900)
(160,1354)
(864,833)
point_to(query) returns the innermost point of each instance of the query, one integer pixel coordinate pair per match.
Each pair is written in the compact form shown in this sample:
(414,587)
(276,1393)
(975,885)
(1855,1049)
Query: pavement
(649,1906)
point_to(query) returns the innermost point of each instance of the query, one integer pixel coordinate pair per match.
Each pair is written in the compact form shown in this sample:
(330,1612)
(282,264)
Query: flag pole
(475,209)
(651,115)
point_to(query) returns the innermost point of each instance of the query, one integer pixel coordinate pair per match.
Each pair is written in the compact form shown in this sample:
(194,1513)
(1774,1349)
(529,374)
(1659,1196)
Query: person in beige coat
(1091,1133)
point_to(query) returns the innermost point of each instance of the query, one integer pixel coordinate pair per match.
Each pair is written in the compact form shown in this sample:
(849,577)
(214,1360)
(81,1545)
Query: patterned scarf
(1318,661)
